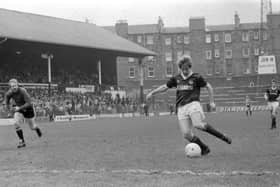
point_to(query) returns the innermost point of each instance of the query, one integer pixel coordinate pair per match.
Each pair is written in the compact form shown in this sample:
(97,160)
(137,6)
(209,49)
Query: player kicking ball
(23,109)
(189,110)
(272,96)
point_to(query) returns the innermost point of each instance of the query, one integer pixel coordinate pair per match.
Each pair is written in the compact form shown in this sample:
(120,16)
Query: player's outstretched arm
(211,95)
(160,89)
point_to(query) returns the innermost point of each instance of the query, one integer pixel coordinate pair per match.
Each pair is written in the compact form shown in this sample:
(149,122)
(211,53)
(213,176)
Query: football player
(189,110)
(22,109)
(272,96)
(68,110)
(248,106)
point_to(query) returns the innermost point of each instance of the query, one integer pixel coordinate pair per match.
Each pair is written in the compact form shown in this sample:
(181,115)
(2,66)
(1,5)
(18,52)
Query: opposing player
(189,110)
(272,96)
(248,106)
(68,110)
(23,109)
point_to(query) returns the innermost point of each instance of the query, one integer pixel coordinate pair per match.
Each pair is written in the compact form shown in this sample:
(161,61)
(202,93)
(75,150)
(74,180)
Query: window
(209,69)
(130,59)
(168,41)
(168,56)
(228,53)
(246,69)
(179,39)
(216,37)
(179,54)
(256,35)
(208,54)
(217,68)
(208,38)
(256,51)
(245,36)
(186,40)
(131,72)
(139,39)
(229,67)
(227,37)
(150,40)
(151,71)
(217,53)
(169,69)
(245,52)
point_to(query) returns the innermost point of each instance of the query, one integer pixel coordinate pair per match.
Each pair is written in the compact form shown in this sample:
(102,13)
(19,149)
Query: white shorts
(273,105)
(184,112)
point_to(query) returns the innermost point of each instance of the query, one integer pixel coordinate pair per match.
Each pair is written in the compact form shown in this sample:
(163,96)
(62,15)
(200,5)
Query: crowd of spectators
(61,78)
(81,103)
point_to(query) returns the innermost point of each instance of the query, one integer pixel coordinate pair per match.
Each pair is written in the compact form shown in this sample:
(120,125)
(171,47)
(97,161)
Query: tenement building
(218,51)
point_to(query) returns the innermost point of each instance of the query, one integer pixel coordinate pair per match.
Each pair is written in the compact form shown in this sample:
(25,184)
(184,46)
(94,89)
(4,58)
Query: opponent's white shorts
(184,112)
(273,105)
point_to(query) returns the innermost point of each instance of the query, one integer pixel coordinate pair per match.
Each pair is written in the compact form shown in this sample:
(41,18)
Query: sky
(175,13)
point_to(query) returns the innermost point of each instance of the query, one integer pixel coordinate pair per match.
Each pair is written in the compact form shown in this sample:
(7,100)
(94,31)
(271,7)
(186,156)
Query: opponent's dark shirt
(272,94)
(188,90)
(21,97)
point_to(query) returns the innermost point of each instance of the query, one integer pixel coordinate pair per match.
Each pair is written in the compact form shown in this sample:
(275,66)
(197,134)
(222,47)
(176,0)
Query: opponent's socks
(38,131)
(211,130)
(20,134)
(273,123)
(204,148)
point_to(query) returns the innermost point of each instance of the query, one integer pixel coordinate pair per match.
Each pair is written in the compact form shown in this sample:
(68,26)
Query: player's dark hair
(186,59)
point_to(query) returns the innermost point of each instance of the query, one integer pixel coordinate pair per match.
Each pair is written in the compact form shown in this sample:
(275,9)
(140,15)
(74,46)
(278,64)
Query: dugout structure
(74,47)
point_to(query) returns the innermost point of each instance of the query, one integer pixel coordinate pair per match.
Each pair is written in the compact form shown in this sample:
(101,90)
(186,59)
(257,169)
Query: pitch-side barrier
(64,118)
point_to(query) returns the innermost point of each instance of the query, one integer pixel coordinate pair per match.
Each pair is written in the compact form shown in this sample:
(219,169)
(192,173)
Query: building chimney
(121,28)
(197,23)
(236,20)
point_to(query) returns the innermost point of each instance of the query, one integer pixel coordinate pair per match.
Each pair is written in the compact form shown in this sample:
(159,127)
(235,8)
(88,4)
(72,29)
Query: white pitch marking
(145,172)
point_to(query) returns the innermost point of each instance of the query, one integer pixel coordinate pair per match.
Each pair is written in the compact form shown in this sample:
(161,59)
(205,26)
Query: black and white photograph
(139,93)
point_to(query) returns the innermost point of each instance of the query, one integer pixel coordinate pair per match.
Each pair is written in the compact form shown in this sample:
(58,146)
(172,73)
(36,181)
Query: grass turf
(142,152)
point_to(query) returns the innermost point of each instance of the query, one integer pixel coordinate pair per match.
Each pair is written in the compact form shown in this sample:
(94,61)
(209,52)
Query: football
(192,150)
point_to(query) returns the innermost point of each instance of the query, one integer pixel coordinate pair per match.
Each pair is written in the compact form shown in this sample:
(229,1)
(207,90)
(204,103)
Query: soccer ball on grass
(192,150)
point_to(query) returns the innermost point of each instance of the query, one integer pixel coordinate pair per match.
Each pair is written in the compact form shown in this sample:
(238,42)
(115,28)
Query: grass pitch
(142,152)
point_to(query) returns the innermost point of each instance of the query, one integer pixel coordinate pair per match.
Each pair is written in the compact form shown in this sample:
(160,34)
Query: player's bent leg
(21,137)
(273,114)
(199,123)
(33,126)
(273,121)
(186,129)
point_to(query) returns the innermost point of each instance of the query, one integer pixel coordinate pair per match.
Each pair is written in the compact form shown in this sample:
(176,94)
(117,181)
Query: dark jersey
(272,94)
(188,90)
(20,97)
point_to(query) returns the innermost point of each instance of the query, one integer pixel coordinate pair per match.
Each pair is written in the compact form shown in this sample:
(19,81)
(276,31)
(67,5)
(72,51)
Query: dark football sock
(211,130)
(273,123)
(38,131)
(196,140)
(20,134)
